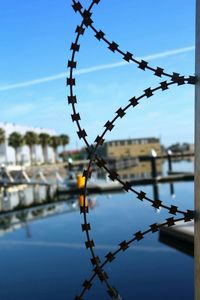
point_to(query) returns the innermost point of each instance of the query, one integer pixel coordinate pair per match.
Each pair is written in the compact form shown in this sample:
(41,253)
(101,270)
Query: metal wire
(175,78)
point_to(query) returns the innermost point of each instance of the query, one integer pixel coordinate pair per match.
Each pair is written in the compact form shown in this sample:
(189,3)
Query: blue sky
(34,50)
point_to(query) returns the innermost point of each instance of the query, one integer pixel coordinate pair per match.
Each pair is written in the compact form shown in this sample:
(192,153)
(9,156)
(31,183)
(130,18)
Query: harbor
(58,189)
(24,236)
(100,150)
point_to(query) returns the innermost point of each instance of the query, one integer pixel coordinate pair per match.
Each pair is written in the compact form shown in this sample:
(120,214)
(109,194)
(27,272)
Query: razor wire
(115,48)
(123,246)
(176,78)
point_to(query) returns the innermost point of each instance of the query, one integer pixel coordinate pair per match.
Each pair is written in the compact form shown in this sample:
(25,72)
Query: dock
(180,237)
(103,186)
(99,186)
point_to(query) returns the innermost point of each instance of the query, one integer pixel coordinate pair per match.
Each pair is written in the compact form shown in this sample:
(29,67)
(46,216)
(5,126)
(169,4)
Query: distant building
(7,153)
(182,148)
(118,149)
(76,154)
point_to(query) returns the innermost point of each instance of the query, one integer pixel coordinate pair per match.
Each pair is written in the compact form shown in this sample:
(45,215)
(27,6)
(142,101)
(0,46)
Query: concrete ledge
(180,237)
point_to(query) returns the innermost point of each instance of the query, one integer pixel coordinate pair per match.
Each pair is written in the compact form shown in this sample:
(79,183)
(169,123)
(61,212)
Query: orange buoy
(80,181)
(81,201)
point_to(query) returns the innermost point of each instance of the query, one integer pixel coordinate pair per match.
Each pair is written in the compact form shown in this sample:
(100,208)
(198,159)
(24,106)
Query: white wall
(7,153)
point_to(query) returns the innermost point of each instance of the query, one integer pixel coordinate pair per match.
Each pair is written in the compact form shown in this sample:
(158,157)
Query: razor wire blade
(172,79)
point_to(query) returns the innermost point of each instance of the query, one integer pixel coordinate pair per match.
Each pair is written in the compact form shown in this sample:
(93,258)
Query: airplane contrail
(94,69)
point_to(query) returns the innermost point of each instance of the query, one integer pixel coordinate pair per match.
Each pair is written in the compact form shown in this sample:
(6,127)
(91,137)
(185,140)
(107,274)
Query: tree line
(31,139)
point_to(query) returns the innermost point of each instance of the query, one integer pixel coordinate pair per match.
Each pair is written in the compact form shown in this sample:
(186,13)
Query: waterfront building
(7,153)
(119,149)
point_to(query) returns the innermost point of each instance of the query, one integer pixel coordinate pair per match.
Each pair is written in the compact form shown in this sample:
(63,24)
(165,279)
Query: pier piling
(153,155)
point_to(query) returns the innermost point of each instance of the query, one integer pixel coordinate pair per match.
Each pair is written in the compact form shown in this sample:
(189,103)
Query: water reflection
(45,258)
(48,235)
(141,170)
(162,167)
(17,197)
(21,205)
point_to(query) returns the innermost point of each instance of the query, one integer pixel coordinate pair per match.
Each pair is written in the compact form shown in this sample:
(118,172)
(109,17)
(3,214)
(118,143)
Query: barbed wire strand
(109,125)
(72,99)
(115,48)
(176,78)
(124,245)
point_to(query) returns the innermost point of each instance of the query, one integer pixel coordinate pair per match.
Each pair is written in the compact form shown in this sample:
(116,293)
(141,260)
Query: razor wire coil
(175,78)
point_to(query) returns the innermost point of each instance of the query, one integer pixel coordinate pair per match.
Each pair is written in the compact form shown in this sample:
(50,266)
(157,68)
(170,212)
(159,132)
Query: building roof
(11,127)
(148,139)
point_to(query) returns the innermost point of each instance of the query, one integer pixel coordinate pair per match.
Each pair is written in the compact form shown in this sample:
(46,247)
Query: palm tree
(64,140)
(31,139)
(2,136)
(3,141)
(16,141)
(44,140)
(55,141)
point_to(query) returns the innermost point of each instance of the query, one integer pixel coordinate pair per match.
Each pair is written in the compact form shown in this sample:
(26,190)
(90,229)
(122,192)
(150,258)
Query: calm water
(42,254)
